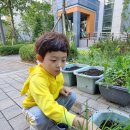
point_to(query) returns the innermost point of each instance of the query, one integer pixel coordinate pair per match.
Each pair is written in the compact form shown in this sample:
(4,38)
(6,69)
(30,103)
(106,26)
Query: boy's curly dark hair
(51,41)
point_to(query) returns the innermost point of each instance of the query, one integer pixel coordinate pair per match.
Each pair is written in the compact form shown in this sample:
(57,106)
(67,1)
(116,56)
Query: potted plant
(111,120)
(86,78)
(115,86)
(69,77)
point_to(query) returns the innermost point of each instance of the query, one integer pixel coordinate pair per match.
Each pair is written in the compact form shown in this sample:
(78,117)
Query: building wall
(92,5)
(116,20)
(100,19)
(89,8)
(68,3)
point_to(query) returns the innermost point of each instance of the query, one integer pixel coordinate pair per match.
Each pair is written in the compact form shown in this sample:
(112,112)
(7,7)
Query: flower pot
(86,83)
(115,94)
(111,119)
(69,77)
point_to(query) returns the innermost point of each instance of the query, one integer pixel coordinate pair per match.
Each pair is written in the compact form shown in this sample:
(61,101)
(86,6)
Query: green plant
(119,73)
(73,53)
(107,124)
(37,19)
(104,52)
(125,17)
(112,48)
(82,57)
(10,50)
(27,53)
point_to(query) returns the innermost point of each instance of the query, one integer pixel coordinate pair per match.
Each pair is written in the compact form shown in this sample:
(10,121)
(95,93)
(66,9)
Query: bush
(10,50)
(119,73)
(27,53)
(73,53)
(112,48)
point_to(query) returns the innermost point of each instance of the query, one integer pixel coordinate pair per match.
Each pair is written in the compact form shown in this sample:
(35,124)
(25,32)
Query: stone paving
(13,73)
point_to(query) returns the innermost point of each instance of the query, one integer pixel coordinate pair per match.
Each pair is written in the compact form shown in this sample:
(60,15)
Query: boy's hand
(64,91)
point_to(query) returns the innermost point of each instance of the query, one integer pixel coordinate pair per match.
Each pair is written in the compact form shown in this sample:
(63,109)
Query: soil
(109,125)
(92,72)
(72,68)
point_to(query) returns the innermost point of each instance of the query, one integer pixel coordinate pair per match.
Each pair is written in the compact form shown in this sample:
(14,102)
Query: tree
(2,32)
(38,18)
(8,7)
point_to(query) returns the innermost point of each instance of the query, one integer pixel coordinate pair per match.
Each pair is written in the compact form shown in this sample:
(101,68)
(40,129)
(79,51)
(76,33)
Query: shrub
(27,53)
(119,73)
(73,53)
(10,50)
(82,51)
(112,48)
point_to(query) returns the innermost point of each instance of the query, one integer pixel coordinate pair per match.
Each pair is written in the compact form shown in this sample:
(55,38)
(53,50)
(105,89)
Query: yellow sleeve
(44,99)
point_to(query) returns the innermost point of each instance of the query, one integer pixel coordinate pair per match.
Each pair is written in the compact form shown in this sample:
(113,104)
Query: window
(107,17)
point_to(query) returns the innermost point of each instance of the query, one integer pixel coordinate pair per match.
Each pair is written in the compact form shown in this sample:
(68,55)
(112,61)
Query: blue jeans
(37,119)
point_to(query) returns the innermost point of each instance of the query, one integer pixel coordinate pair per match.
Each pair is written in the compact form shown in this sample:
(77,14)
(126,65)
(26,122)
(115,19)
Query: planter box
(69,77)
(114,94)
(111,115)
(86,83)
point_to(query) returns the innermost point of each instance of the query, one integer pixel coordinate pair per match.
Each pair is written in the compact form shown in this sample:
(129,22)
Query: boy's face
(54,61)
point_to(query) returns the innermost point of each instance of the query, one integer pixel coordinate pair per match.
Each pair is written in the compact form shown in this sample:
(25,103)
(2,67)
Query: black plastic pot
(115,94)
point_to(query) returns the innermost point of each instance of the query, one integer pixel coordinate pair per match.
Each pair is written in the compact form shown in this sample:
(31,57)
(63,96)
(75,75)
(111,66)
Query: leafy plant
(119,73)
(110,123)
(9,8)
(37,18)
(27,53)
(73,53)
(10,50)
(125,16)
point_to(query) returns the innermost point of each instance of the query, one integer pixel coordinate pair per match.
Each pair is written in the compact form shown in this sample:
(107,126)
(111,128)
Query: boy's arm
(81,121)
(44,99)
(65,91)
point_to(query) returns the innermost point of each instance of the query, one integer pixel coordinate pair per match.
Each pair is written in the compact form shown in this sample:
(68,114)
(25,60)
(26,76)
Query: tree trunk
(63,18)
(2,32)
(12,20)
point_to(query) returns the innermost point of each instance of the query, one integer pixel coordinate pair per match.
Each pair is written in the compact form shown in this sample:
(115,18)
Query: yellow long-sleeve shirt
(42,89)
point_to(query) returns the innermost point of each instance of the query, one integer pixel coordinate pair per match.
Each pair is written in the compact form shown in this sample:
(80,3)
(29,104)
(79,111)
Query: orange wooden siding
(90,16)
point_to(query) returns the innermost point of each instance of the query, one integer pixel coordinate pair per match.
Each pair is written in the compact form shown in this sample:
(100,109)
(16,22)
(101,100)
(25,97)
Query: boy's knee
(34,119)
(29,117)
(73,96)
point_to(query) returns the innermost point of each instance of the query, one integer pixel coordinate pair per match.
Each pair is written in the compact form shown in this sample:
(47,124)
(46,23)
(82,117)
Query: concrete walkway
(13,73)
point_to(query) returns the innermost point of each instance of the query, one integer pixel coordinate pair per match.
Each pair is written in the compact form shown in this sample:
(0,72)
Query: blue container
(86,83)
(69,77)
(111,115)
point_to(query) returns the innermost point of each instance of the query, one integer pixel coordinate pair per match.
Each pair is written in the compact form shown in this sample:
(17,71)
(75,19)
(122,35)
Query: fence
(104,35)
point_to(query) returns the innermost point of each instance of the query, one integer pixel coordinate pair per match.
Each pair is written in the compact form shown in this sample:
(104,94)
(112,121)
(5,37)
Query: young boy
(47,104)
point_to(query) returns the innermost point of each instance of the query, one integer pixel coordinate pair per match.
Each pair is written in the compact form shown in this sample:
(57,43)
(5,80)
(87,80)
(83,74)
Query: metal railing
(104,35)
